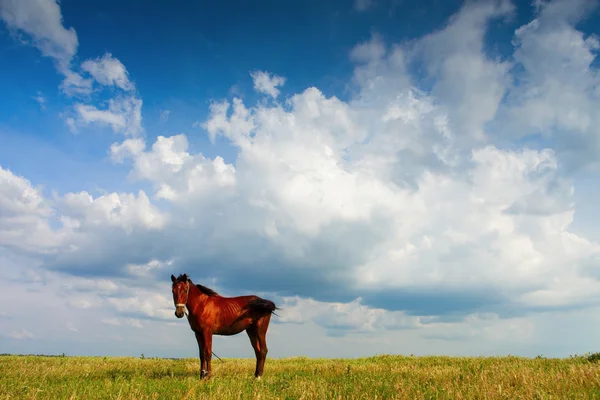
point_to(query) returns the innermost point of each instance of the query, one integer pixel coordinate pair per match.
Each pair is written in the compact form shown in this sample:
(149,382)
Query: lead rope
(217,356)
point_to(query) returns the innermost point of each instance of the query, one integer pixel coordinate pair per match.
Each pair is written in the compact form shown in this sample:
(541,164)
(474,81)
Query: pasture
(380,377)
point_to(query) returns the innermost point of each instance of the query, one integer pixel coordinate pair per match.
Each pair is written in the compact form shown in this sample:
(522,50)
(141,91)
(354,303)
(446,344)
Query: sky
(399,178)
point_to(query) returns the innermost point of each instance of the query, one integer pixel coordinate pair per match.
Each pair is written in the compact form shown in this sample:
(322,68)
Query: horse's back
(243,304)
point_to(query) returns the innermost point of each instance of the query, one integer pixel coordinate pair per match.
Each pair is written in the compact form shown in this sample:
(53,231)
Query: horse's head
(181,288)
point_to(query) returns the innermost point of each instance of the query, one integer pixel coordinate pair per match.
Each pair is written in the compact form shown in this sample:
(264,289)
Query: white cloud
(556,95)
(369,51)
(125,210)
(76,85)
(42,20)
(42,23)
(128,148)
(24,221)
(493,207)
(146,304)
(401,209)
(164,115)
(236,126)
(386,192)
(352,317)
(71,124)
(267,83)
(34,224)
(179,176)
(90,114)
(123,115)
(21,334)
(41,100)
(347,334)
(148,269)
(468,83)
(98,286)
(108,71)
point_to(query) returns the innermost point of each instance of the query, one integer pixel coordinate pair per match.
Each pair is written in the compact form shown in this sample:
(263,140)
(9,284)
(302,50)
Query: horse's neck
(196,299)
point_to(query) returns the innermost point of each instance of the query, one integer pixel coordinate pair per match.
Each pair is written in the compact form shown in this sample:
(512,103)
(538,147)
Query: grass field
(381,377)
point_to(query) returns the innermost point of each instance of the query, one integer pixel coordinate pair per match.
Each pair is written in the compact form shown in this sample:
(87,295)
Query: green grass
(382,377)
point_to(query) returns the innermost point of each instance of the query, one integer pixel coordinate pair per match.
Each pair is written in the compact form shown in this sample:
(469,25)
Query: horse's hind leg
(262,326)
(252,332)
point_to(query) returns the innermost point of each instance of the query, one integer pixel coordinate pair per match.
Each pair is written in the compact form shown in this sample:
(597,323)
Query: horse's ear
(173,279)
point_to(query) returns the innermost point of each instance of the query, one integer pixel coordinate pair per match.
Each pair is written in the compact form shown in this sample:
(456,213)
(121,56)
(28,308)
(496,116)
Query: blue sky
(400,178)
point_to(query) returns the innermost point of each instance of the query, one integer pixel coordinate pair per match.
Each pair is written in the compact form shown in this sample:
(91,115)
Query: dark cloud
(252,264)
(432,301)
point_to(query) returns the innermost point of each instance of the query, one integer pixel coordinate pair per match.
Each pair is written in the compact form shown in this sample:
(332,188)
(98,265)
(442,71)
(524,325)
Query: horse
(211,314)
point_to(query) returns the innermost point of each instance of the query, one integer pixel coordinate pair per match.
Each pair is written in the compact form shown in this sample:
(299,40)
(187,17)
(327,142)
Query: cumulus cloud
(346,318)
(108,71)
(74,84)
(77,311)
(128,148)
(369,51)
(469,84)
(57,227)
(154,306)
(267,83)
(149,269)
(384,197)
(556,93)
(179,176)
(123,115)
(42,22)
(400,209)
(127,211)
(26,215)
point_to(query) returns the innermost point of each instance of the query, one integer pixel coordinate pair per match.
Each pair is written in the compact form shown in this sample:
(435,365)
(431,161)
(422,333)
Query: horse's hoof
(258,378)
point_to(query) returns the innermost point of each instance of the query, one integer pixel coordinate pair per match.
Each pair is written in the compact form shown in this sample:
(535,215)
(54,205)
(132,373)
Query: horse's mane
(207,291)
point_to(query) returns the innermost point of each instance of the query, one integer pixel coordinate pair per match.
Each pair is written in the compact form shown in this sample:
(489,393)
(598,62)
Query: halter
(187,292)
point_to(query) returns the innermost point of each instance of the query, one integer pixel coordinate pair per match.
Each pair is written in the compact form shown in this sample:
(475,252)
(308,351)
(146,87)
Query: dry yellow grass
(382,377)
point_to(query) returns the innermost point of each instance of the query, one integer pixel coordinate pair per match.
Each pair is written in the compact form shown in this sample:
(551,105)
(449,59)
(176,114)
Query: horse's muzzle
(180,311)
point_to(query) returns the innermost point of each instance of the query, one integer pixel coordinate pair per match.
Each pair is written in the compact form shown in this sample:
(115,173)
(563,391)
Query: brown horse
(211,314)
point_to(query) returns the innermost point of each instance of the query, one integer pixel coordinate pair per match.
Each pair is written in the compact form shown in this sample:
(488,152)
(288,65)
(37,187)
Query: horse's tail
(262,306)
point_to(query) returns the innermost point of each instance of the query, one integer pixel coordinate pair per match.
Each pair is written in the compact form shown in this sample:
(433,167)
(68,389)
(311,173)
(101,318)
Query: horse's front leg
(207,340)
(200,340)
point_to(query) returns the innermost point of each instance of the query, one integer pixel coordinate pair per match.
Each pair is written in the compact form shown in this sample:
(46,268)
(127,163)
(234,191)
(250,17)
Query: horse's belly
(228,332)
(234,329)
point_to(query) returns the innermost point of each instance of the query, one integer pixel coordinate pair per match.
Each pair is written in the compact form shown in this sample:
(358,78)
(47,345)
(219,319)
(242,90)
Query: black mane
(207,291)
